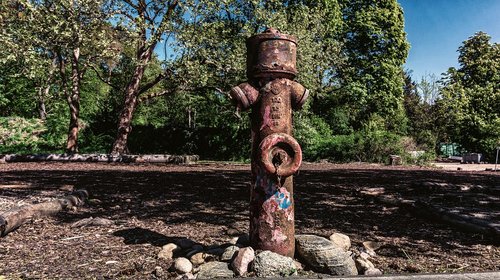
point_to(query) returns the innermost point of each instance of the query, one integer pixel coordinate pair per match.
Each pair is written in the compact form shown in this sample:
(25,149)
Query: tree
(375,46)
(428,88)
(469,105)
(210,51)
(66,35)
(148,22)
(419,111)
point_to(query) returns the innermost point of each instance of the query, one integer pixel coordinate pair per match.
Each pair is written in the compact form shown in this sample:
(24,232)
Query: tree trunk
(42,92)
(74,104)
(130,102)
(14,218)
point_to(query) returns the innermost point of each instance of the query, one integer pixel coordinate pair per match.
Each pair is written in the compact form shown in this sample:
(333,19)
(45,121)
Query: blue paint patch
(283,200)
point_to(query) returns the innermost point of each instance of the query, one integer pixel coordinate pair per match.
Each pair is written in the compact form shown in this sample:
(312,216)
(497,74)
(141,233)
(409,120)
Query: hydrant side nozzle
(280,154)
(244,95)
(299,95)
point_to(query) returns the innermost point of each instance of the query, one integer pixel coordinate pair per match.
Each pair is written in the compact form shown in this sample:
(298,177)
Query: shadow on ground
(326,200)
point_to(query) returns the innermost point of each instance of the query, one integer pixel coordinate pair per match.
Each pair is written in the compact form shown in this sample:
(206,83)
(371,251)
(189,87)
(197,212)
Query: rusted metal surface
(246,94)
(271,54)
(280,154)
(271,93)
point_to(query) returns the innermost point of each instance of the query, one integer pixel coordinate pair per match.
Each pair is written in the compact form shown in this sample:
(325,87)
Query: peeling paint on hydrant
(271,93)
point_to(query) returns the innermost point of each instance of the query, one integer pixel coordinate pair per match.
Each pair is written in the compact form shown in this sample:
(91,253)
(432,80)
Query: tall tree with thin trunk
(148,22)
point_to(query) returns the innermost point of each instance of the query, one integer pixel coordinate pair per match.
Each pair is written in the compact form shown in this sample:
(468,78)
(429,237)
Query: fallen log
(177,159)
(12,219)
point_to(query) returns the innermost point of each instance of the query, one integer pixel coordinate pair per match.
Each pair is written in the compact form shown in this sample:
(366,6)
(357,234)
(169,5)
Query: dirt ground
(151,205)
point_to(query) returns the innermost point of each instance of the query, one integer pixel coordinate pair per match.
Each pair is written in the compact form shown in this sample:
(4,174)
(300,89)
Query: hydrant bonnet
(272,54)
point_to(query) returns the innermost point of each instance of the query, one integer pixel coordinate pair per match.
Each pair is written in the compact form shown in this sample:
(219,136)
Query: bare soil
(152,205)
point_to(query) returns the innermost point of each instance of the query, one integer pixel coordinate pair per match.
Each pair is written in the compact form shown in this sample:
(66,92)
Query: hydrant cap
(272,54)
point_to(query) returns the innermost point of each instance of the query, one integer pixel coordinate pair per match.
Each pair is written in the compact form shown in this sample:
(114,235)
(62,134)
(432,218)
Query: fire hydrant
(271,93)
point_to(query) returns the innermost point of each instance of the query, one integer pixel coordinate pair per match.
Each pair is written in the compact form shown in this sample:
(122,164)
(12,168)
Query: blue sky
(436,28)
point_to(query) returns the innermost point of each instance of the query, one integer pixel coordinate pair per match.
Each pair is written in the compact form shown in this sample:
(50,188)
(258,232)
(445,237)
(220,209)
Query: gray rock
(362,264)
(269,264)
(159,271)
(170,247)
(165,255)
(341,240)
(373,272)
(183,265)
(243,258)
(198,258)
(234,240)
(186,276)
(372,245)
(323,256)
(229,253)
(214,270)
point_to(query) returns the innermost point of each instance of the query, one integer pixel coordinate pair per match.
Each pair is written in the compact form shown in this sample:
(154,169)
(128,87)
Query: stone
(167,251)
(298,265)
(188,275)
(159,271)
(372,245)
(363,264)
(323,256)
(165,255)
(270,264)
(373,272)
(341,240)
(243,258)
(365,255)
(229,253)
(368,252)
(234,240)
(212,270)
(198,258)
(183,265)
(170,247)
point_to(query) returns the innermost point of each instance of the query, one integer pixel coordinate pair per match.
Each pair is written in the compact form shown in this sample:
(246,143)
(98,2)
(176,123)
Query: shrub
(20,135)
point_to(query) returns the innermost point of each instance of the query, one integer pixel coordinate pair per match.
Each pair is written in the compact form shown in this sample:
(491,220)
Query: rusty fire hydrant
(276,155)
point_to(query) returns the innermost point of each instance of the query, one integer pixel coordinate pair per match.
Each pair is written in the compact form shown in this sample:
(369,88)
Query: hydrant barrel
(271,93)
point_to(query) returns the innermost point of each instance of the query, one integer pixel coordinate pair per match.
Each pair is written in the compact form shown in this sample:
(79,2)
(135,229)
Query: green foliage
(17,94)
(419,111)
(350,56)
(313,134)
(20,135)
(468,111)
(365,146)
(376,48)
